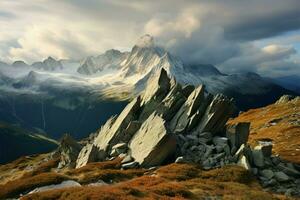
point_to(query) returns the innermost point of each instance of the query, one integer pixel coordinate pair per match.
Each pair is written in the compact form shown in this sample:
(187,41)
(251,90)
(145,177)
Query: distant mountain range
(16,141)
(61,96)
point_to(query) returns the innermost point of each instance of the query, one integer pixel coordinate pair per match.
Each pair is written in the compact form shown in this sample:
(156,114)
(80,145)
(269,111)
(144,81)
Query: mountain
(49,64)
(19,63)
(291,82)
(146,59)
(16,142)
(110,60)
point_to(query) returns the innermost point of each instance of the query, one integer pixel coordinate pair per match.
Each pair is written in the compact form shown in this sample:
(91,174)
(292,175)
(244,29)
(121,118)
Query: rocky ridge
(183,124)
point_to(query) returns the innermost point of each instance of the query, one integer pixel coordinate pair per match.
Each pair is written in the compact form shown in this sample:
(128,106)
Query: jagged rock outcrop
(188,125)
(151,124)
(69,150)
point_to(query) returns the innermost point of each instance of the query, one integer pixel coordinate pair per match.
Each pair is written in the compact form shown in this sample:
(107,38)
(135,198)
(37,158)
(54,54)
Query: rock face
(152,143)
(149,128)
(69,150)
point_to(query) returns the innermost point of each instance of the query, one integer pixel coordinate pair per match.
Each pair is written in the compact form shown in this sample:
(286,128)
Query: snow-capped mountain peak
(110,60)
(146,41)
(49,64)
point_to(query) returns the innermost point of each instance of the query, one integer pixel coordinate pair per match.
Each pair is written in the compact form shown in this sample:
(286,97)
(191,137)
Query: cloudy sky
(262,36)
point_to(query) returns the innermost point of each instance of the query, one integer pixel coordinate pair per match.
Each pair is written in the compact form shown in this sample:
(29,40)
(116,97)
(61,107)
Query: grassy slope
(16,142)
(279,122)
(174,181)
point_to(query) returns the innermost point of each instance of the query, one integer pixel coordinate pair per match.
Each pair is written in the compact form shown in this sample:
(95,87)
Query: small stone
(281,177)
(127,159)
(220,140)
(180,160)
(122,155)
(254,171)
(289,170)
(191,137)
(120,146)
(267,173)
(266,149)
(244,163)
(258,157)
(205,136)
(130,165)
(194,148)
(219,148)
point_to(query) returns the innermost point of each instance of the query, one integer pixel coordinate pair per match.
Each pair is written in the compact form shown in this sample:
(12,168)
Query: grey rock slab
(216,115)
(89,153)
(258,157)
(153,143)
(243,162)
(112,134)
(182,118)
(69,150)
(238,133)
(266,149)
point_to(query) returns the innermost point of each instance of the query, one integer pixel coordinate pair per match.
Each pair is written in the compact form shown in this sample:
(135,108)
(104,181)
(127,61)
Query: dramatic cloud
(258,35)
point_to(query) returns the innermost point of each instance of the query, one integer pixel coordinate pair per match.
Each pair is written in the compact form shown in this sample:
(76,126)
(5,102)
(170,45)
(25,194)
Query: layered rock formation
(152,126)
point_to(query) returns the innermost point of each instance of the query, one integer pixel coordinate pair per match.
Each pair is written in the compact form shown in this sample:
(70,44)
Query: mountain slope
(110,60)
(279,122)
(16,142)
(146,59)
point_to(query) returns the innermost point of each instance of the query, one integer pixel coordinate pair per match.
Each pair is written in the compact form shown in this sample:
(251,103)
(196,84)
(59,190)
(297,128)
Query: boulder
(267,173)
(258,158)
(281,177)
(265,148)
(216,115)
(181,120)
(289,169)
(243,162)
(153,143)
(69,150)
(205,137)
(157,87)
(114,133)
(89,153)
(238,133)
